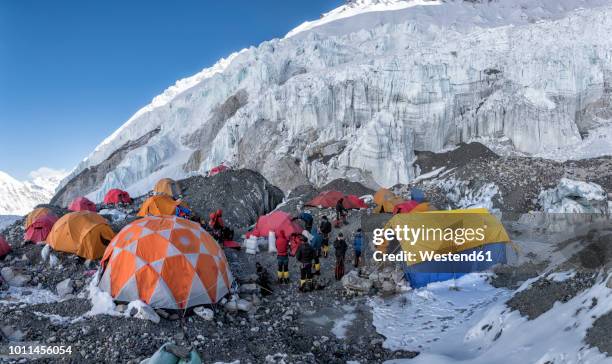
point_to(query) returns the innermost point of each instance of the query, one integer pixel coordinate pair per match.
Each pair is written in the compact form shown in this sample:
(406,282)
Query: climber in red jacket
(282,256)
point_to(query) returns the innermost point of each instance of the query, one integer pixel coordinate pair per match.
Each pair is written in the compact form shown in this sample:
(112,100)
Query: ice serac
(356,92)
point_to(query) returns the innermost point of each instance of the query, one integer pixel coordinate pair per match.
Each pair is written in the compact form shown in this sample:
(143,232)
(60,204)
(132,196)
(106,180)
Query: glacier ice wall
(355,97)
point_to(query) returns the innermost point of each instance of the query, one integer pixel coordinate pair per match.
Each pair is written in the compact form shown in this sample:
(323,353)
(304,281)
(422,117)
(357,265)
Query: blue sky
(71,72)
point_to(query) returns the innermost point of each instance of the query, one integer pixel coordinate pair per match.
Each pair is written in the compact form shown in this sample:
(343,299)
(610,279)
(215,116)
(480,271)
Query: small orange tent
(167,262)
(168,187)
(83,233)
(35,214)
(158,205)
(386,200)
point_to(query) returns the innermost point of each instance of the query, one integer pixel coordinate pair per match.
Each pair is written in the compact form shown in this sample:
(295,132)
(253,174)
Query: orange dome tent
(83,233)
(167,262)
(5,248)
(39,230)
(386,200)
(82,204)
(158,205)
(35,214)
(168,187)
(116,196)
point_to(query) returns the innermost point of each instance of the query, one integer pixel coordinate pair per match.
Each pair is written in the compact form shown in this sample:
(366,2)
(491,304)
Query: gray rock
(205,313)
(65,287)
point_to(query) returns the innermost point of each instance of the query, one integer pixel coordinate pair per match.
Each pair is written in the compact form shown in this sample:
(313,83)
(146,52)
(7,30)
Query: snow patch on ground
(27,296)
(434,318)
(341,325)
(481,329)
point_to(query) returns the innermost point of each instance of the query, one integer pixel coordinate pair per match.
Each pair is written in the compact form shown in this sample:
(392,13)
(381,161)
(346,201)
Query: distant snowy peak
(19,197)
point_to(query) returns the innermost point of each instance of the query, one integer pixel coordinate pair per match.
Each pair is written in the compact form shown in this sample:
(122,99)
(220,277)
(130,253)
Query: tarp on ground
(386,200)
(83,233)
(158,205)
(82,204)
(40,229)
(168,262)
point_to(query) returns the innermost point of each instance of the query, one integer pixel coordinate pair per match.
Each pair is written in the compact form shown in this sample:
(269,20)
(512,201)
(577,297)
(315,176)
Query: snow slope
(354,93)
(19,197)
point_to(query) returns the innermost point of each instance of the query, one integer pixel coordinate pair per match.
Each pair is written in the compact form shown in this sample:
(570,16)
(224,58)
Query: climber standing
(325,227)
(305,255)
(340,248)
(282,257)
(357,245)
(340,212)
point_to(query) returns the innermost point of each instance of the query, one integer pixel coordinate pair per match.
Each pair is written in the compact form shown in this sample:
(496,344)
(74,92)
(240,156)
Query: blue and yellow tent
(491,244)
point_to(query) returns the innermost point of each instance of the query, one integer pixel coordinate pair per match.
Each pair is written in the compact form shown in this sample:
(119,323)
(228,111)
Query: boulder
(570,196)
(242,194)
(65,287)
(353,282)
(206,313)
(141,310)
(14,278)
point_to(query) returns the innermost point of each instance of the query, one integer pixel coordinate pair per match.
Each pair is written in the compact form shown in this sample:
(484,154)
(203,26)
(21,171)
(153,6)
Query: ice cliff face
(354,93)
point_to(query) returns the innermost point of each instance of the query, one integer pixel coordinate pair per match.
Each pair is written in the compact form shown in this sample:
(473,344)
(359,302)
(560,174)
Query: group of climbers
(310,245)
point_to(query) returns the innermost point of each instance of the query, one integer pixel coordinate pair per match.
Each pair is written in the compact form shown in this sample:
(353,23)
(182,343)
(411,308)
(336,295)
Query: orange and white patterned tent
(166,261)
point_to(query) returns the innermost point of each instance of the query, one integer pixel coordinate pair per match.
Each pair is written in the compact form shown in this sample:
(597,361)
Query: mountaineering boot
(317,269)
(286,277)
(279,274)
(302,282)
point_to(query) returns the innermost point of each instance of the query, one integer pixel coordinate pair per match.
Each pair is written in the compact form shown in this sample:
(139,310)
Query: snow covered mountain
(355,93)
(19,197)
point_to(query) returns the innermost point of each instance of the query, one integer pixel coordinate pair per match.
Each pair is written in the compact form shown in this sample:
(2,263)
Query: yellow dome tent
(158,205)
(386,200)
(167,186)
(83,233)
(443,232)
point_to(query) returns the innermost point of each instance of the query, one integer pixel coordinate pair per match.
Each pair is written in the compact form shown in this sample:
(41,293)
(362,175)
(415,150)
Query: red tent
(82,204)
(405,207)
(218,169)
(40,228)
(353,202)
(116,195)
(411,206)
(328,199)
(276,221)
(5,248)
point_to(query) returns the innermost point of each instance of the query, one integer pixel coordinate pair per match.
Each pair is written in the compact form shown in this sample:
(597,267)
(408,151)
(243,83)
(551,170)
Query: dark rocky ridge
(91,178)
